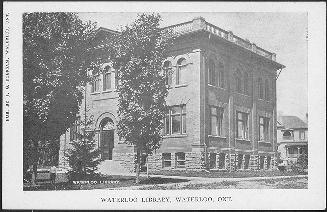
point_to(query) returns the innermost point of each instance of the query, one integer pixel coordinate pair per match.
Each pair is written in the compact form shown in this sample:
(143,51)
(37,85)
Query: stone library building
(222,106)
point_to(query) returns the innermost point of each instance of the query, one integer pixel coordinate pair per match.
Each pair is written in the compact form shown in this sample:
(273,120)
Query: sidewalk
(202,180)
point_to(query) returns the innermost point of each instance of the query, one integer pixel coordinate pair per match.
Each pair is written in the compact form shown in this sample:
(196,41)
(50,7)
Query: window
(263,128)
(246,161)
(175,120)
(239,161)
(216,120)
(166,160)
(302,134)
(261,162)
(221,75)
(95,86)
(238,82)
(292,150)
(212,73)
(287,135)
(246,86)
(260,88)
(181,71)
(242,125)
(267,96)
(107,78)
(180,159)
(75,130)
(168,72)
(221,164)
(212,160)
(268,162)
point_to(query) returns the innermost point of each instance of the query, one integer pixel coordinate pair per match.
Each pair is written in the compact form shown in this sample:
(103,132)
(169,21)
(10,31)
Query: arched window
(107,78)
(267,95)
(212,73)
(238,81)
(260,88)
(181,71)
(106,138)
(95,84)
(221,75)
(246,83)
(167,66)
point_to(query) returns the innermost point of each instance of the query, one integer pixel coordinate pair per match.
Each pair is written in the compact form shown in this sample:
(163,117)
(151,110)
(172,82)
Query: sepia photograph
(146,101)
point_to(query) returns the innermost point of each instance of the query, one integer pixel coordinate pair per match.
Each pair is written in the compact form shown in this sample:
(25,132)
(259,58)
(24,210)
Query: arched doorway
(107,138)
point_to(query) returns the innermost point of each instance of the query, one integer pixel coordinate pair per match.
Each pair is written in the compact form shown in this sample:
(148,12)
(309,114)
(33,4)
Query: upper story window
(260,88)
(302,135)
(238,81)
(181,71)
(246,83)
(167,67)
(287,135)
(263,128)
(212,73)
(242,125)
(267,96)
(95,84)
(221,75)
(175,120)
(75,130)
(216,120)
(107,78)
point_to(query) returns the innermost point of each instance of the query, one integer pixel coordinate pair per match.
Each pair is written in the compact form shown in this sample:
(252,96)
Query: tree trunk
(137,181)
(35,162)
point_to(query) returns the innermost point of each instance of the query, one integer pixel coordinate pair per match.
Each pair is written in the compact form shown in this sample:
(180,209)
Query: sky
(282,33)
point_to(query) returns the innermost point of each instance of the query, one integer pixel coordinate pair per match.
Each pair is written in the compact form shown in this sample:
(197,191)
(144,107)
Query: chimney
(306,118)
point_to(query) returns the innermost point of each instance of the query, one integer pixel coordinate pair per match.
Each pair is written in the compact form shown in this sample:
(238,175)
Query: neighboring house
(292,137)
(222,98)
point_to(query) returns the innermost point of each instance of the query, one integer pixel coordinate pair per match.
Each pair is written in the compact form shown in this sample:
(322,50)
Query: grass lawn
(226,174)
(122,181)
(287,183)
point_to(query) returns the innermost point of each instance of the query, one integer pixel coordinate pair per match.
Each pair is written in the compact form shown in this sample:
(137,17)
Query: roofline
(278,65)
(107,30)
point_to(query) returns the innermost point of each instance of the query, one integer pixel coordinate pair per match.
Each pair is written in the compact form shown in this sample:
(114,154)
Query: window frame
(95,84)
(220,78)
(222,165)
(212,73)
(245,124)
(238,81)
(219,120)
(166,160)
(179,67)
(169,116)
(302,132)
(265,125)
(168,72)
(178,160)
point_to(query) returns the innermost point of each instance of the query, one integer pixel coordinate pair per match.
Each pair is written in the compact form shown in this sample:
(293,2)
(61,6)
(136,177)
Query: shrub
(83,159)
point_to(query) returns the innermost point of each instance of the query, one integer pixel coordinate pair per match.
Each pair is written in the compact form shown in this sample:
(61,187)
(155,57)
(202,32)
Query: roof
(292,122)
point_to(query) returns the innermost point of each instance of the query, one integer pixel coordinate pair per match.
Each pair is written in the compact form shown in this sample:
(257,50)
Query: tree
(57,54)
(138,54)
(83,156)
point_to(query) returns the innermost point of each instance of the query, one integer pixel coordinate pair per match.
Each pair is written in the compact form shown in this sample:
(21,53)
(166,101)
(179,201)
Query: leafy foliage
(139,53)
(84,157)
(58,52)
